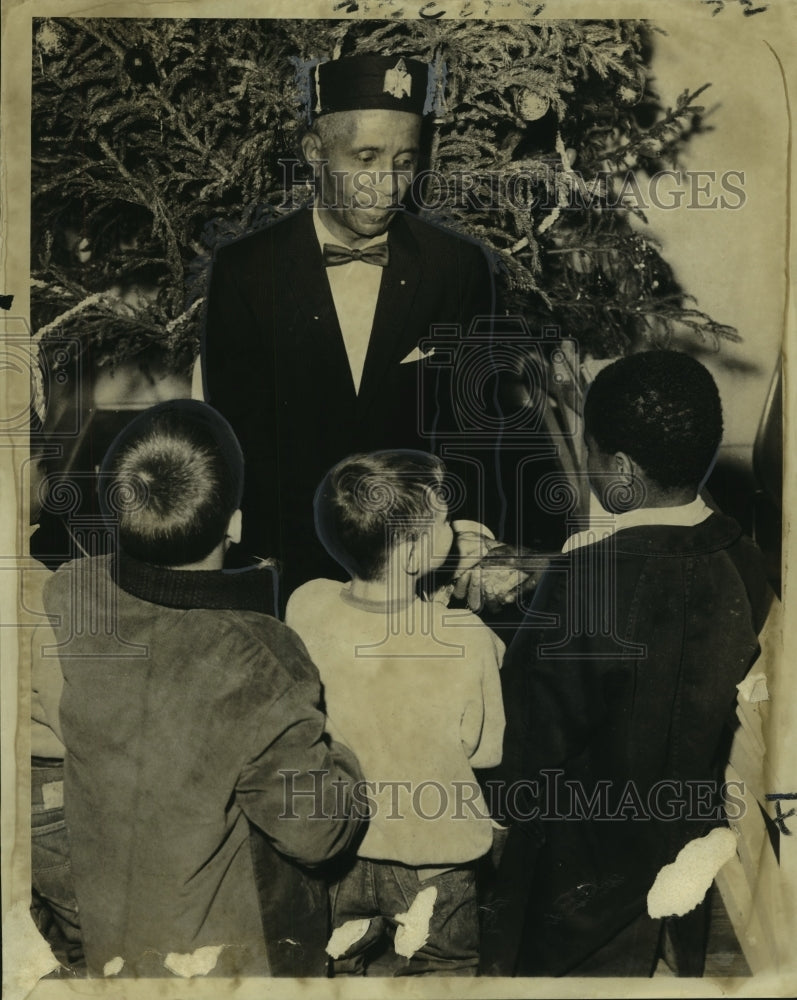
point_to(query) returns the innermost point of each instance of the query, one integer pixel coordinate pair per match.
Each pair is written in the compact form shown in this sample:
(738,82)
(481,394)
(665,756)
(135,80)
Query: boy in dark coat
(189,713)
(620,688)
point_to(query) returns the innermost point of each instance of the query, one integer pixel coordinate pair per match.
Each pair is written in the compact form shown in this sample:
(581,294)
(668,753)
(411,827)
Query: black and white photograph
(395,481)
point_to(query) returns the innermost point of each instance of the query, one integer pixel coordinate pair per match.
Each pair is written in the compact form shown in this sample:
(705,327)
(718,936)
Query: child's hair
(171,480)
(661,408)
(366,501)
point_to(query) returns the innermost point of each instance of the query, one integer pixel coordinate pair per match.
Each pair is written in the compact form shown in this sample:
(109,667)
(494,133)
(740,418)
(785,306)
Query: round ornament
(531,106)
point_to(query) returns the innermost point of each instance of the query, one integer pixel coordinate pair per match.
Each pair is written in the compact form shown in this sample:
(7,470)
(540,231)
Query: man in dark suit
(315,325)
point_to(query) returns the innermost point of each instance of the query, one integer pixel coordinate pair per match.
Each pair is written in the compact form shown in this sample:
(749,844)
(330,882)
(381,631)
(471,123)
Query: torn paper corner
(754,688)
(32,956)
(681,886)
(413,930)
(113,966)
(195,963)
(343,937)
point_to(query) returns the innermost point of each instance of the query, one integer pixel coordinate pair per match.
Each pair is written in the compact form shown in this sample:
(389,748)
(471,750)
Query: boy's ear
(411,556)
(234,527)
(625,464)
(312,146)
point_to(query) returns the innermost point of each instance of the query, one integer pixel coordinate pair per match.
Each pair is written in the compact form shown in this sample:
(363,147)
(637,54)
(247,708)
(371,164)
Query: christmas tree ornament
(632,90)
(530,106)
(140,66)
(50,37)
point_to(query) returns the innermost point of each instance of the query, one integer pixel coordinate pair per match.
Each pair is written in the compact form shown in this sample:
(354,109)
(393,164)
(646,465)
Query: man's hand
(490,572)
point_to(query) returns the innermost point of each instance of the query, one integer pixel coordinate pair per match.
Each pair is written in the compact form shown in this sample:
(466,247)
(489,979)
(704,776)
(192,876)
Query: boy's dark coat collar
(716,532)
(251,589)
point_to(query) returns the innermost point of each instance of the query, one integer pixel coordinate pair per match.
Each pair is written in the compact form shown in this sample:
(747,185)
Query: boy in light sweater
(414,690)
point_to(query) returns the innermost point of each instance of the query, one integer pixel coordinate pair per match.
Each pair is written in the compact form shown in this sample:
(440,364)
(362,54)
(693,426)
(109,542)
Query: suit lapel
(391,335)
(319,331)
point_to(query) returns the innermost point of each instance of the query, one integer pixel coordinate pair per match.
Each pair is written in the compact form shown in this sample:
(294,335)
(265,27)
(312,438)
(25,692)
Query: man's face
(367,162)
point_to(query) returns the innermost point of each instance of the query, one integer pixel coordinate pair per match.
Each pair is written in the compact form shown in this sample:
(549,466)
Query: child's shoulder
(469,630)
(311,598)
(60,584)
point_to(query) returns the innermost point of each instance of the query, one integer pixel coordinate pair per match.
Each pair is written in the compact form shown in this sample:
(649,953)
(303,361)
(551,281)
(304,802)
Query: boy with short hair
(619,711)
(184,706)
(414,690)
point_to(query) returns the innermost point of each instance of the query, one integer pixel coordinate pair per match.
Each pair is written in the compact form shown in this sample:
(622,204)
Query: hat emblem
(398,81)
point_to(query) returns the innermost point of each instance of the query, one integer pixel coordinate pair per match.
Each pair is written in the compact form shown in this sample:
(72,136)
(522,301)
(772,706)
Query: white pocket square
(416,354)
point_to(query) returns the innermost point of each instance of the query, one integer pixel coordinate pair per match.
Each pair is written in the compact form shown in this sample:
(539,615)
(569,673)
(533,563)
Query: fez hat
(358,83)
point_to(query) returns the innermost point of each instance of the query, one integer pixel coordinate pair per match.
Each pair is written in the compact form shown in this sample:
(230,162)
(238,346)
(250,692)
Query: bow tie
(377,254)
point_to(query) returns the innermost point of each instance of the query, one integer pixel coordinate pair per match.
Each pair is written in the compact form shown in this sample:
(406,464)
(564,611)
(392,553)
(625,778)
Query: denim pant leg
(353,897)
(379,890)
(53,904)
(452,947)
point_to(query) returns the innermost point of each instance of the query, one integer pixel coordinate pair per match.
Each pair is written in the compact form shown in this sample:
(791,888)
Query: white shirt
(687,515)
(355,289)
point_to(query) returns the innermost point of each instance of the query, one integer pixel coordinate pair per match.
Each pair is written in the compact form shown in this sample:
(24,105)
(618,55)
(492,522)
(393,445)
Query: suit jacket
(275,365)
(645,702)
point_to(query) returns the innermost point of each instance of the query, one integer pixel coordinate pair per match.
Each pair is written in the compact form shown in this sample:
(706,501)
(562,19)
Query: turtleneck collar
(250,589)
